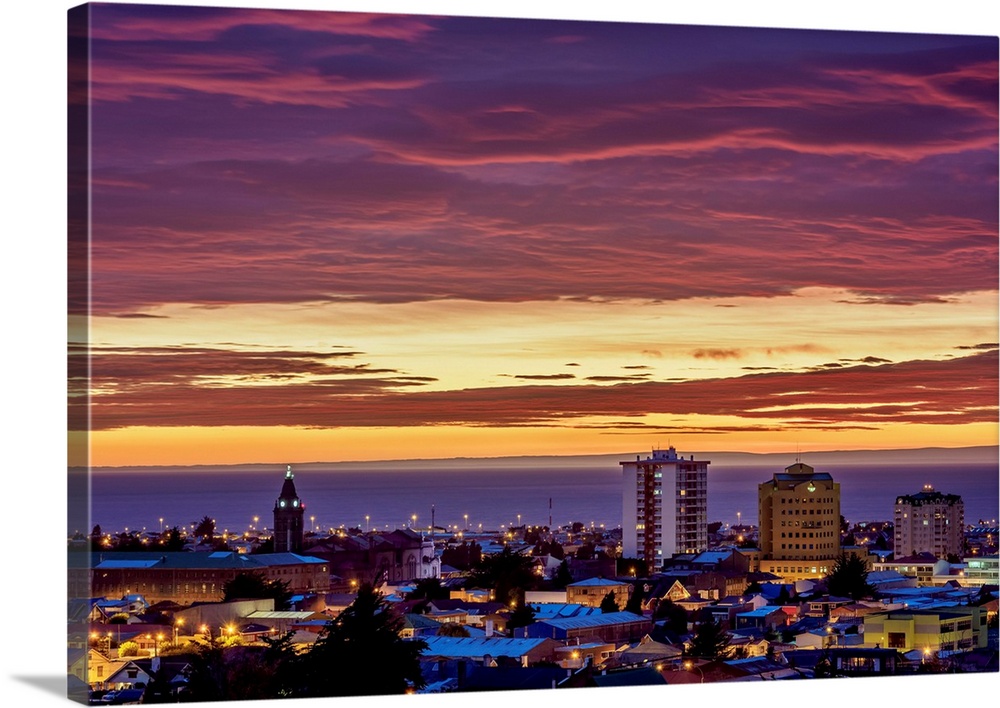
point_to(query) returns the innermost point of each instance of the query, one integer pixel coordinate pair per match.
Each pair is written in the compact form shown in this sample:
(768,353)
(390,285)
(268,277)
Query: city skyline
(484,237)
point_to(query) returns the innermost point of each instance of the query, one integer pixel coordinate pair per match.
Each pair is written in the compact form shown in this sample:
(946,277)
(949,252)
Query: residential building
(929,522)
(591,592)
(664,507)
(799,520)
(946,629)
(922,566)
(613,627)
(185,577)
(289,512)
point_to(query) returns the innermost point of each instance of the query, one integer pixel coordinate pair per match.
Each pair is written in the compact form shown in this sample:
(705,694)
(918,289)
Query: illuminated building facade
(799,519)
(929,522)
(664,507)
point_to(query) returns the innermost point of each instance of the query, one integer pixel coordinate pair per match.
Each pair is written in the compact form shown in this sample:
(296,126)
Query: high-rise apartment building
(799,519)
(929,522)
(664,507)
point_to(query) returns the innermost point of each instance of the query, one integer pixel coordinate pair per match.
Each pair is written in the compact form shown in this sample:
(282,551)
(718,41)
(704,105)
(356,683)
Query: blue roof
(596,582)
(602,619)
(552,610)
(479,647)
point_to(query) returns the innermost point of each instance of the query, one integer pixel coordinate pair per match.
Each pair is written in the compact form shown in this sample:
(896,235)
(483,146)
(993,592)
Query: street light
(691,665)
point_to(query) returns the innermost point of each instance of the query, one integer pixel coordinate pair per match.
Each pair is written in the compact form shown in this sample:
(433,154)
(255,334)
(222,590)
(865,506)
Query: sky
(342,236)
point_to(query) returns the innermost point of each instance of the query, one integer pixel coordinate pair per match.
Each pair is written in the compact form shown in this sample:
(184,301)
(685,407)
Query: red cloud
(960,390)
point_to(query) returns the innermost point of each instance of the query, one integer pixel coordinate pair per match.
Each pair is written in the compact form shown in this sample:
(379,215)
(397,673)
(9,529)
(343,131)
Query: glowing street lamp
(466,516)
(691,665)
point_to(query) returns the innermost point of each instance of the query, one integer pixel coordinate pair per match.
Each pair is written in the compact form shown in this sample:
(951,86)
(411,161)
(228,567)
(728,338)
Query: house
(591,592)
(760,668)
(128,675)
(616,627)
(418,626)
(93,667)
(575,656)
(485,651)
(649,651)
(764,618)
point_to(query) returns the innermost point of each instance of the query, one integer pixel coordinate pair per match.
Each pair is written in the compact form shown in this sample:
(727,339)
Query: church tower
(288,516)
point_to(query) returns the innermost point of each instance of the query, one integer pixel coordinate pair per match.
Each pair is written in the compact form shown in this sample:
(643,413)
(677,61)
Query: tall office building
(288,517)
(664,507)
(799,518)
(929,522)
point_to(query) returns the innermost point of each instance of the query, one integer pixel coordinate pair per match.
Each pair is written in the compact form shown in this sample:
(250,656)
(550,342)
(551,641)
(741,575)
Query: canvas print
(420,354)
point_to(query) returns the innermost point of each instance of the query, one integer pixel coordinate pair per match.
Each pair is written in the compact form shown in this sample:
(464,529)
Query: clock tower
(289,512)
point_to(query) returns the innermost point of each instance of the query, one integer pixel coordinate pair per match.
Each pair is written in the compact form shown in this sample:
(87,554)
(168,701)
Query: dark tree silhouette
(429,589)
(361,652)
(522,616)
(205,528)
(254,585)
(508,573)
(676,616)
(562,577)
(452,629)
(609,603)
(849,578)
(710,641)
(171,540)
(463,556)
(635,599)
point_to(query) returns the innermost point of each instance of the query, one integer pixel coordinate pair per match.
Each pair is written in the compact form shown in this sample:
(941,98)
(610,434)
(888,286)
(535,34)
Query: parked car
(122,697)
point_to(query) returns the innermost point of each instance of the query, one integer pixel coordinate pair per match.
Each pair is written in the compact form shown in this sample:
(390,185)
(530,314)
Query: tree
(429,589)
(253,585)
(508,573)
(676,616)
(172,540)
(562,577)
(634,604)
(361,652)
(710,641)
(609,603)
(452,629)
(129,648)
(205,528)
(849,578)
(522,616)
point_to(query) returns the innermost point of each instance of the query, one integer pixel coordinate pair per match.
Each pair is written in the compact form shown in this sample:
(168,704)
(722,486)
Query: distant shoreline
(982,454)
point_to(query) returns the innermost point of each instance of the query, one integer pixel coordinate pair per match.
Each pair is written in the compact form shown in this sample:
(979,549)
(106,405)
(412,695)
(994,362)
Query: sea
(473,496)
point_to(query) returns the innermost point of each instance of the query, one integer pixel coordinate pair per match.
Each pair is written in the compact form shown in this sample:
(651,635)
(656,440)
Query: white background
(32,638)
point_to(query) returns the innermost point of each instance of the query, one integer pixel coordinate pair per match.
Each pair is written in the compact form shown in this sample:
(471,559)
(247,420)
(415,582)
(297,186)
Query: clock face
(295,502)
(282,502)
